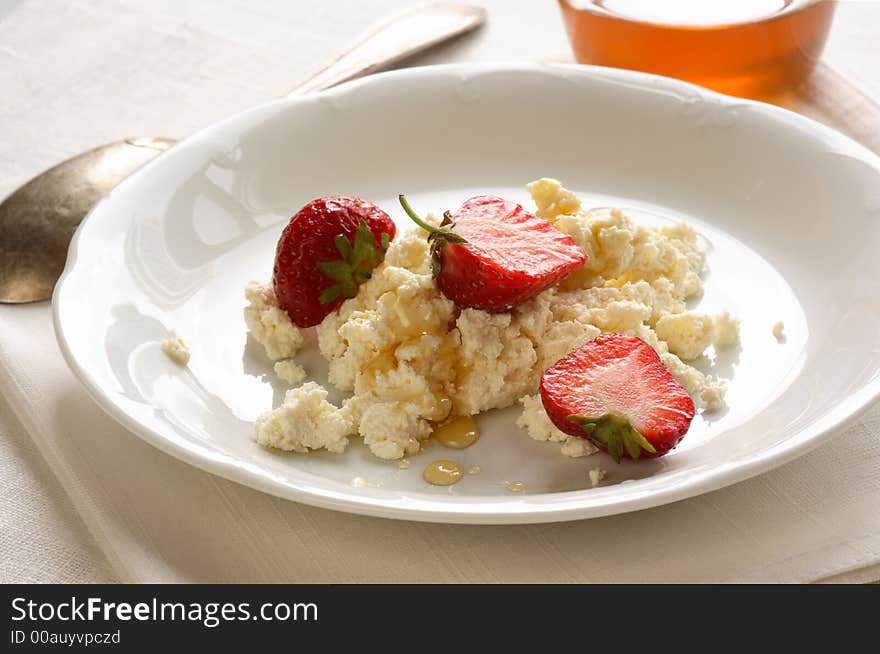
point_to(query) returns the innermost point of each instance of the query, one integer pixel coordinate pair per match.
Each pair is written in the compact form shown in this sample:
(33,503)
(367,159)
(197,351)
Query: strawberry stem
(437,236)
(415,217)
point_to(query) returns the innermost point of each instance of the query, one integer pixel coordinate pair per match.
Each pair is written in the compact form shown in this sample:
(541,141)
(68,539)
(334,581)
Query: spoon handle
(402,36)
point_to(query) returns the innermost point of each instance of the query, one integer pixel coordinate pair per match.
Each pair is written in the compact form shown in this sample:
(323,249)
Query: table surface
(160,45)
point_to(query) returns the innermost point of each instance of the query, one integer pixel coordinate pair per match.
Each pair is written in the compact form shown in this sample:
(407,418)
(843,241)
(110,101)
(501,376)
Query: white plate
(789,212)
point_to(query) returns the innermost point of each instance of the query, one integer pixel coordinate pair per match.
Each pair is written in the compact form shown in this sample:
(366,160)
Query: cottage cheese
(686,334)
(304,421)
(410,358)
(539,427)
(290,371)
(707,391)
(726,330)
(269,324)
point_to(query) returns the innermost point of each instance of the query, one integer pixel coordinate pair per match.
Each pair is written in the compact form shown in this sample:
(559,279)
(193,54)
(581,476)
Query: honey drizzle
(458,433)
(442,473)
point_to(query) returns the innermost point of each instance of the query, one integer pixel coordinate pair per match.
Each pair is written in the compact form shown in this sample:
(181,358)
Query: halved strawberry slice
(492,254)
(616,392)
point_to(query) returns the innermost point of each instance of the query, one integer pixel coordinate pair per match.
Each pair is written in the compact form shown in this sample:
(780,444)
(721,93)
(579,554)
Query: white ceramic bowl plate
(789,213)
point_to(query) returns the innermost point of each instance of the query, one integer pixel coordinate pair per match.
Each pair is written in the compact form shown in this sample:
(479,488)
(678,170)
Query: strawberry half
(327,250)
(492,254)
(616,392)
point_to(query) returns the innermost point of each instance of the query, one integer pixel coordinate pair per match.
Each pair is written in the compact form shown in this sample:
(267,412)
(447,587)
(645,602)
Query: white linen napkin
(42,538)
(158,519)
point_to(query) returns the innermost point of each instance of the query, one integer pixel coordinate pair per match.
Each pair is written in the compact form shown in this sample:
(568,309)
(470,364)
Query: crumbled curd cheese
(290,371)
(551,199)
(706,391)
(535,421)
(686,334)
(410,358)
(539,427)
(576,447)
(176,350)
(726,330)
(304,421)
(269,324)
(596,476)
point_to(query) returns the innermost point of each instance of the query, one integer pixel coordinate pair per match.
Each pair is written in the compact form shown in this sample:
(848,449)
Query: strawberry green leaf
(614,433)
(330,294)
(343,246)
(338,271)
(615,448)
(356,264)
(364,247)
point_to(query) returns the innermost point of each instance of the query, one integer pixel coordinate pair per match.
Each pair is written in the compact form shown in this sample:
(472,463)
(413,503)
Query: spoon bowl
(38,220)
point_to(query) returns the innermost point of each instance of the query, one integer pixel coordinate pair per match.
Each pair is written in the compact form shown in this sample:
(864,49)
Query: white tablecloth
(84,500)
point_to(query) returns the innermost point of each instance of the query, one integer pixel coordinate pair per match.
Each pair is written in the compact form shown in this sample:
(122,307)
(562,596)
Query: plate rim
(527,509)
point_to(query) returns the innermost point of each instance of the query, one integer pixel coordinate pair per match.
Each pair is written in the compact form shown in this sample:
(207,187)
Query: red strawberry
(326,251)
(493,254)
(616,392)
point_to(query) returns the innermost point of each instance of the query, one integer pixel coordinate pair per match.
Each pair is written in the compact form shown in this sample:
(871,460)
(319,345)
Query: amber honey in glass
(751,48)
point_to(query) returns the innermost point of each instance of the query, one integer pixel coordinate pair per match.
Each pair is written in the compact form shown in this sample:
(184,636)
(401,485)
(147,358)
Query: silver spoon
(38,220)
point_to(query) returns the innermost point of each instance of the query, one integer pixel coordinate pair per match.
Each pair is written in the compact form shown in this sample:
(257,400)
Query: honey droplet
(474,470)
(403,464)
(458,433)
(516,486)
(441,410)
(442,473)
